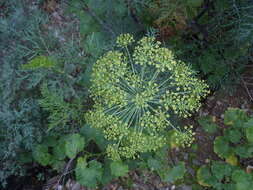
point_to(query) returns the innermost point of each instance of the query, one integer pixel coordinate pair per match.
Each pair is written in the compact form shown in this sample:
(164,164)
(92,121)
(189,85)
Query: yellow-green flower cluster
(147,51)
(138,142)
(136,92)
(124,40)
(186,138)
(113,152)
(106,73)
(187,93)
(154,121)
(131,141)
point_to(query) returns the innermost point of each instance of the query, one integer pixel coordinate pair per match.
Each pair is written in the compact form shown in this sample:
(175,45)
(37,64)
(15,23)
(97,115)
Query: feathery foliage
(27,42)
(60,111)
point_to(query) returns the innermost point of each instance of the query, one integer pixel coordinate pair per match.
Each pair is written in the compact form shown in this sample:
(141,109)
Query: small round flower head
(136,92)
(112,152)
(124,40)
(186,138)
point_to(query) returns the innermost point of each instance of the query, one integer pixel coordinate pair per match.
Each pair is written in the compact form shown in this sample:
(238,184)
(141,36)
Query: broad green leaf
(235,117)
(74,144)
(234,135)
(118,168)
(176,172)
(250,149)
(221,147)
(41,155)
(243,151)
(162,153)
(58,165)
(154,164)
(59,150)
(244,185)
(207,122)
(107,176)
(248,124)
(218,186)
(220,170)
(197,187)
(204,176)
(164,173)
(50,141)
(249,134)
(242,179)
(228,186)
(94,134)
(90,175)
(240,176)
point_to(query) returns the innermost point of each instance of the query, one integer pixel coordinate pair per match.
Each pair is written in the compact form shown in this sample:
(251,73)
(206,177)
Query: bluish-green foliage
(21,119)
(20,128)
(26,47)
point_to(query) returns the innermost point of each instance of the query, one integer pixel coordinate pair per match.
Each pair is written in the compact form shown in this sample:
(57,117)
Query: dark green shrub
(218,43)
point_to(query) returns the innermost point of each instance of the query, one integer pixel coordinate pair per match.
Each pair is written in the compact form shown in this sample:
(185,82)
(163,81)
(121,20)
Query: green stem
(112,108)
(131,61)
(155,76)
(165,119)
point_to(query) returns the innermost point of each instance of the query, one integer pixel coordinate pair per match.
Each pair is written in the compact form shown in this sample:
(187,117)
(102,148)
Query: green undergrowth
(234,148)
(98,89)
(108,146)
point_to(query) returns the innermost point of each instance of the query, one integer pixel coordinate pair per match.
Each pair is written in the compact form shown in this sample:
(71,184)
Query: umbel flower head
(136,90)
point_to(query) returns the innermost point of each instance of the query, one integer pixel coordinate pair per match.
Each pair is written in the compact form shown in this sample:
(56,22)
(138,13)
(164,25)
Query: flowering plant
(135,94)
